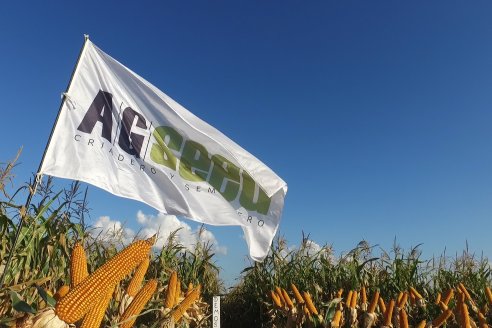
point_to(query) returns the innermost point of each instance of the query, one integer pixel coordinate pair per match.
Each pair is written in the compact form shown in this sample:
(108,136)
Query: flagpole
(37,180)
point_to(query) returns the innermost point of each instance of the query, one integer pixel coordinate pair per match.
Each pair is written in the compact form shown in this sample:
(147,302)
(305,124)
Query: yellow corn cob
(306,311)
(488,293)
(464,315)
(185,304)
(482,321)
(336,319)
(279,293)
(403,319)
(389,313)
(78,265)
(464,291)
(438,298)
(171,290)
(449,296)
(61,292)
(297,295)
(460,296)
(339,293)
(403,300)
(287,299)
(363,295)
(189,289)
(177,293)
(133,310)
(382,306)
(443,306)
(374,302)
(79,300)
(353,301)
(415,293)
(348,302)
(275,298)
(309,303)
(441,318)
(94,317)
(137,278)
(421,324)
(398,299)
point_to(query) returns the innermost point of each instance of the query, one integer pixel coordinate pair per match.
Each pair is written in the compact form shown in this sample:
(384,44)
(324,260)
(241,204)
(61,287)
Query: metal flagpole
(32,189)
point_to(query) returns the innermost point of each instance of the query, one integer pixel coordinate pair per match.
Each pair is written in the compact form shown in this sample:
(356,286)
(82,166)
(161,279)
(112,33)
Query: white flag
(120,133)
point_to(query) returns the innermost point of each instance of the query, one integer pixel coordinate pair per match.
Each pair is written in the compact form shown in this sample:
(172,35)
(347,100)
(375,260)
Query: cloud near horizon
(161,224)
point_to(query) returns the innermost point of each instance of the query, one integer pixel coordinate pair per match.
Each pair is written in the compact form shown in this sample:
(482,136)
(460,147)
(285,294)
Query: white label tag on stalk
(216,312)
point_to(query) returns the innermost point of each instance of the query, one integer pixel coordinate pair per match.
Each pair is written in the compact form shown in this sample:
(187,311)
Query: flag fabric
(118,132)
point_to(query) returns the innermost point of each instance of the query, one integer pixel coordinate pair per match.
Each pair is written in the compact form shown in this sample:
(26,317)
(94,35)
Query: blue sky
(376,113)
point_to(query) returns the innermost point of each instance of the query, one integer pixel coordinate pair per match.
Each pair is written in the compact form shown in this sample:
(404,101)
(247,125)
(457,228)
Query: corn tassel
(137,278)
(94,317)
(79,300)
(374,302)
(441,319)
(171,290)
(309,303)
(185,304)
(78,265)
(143,296)
(297,295)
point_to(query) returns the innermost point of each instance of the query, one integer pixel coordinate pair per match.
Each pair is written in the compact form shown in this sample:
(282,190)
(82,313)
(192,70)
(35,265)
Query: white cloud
(162,225)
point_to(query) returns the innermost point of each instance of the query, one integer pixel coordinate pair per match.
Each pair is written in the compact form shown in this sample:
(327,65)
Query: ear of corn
(388,314)
(422,324)
(138,277)
(339,293)
(449,296)
(79,300)
(353,301)
(185,304)
(279,293)
(464,316)
(78,265)
(438,298)
(297,295)
(488,293)
(177,292)
(441,319)
(382,305)
(61,292)
(275,298)
(363,295)
(129,316)
(336,319)
(415,293)
(374,302)
(309,303)
(94,317)
(348,302)
(171,290)
(287,299)
(403,300)
(403,319)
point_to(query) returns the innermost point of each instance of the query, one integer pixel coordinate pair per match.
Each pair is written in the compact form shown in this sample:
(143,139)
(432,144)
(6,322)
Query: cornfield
(61,275)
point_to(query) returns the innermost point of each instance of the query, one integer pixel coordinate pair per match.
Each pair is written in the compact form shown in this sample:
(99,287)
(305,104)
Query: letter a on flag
(118,132)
